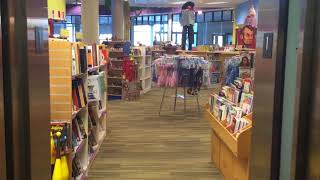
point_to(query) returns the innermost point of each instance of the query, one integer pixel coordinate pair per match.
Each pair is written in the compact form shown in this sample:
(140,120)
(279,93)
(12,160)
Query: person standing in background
(187,21)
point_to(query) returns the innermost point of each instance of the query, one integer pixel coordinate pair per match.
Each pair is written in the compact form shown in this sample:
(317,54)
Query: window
(142,34)
(69,19)
(217,16)
(200,18)
(103,20)
(208,16)
(139,20)
(158,19)
(176,18)
(76,19)
(145,19)
(227,15)
(151,19)
(164,19)
(133,21)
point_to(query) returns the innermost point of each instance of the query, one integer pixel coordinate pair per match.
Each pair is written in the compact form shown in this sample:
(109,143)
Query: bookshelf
(115,74)
(78,102)
(139,54)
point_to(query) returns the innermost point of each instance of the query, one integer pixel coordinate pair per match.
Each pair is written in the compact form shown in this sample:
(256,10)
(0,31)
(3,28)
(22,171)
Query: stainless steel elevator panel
(2,133)
(26,85)
(39,101)
(267,91)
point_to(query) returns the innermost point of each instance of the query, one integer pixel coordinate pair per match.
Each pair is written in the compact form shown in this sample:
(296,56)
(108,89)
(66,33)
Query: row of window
(76,19)
(210,16)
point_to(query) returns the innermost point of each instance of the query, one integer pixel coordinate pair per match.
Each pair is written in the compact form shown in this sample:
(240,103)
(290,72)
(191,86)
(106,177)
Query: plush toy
(251,18)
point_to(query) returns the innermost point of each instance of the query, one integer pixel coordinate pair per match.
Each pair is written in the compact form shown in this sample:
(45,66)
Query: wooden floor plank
(144,145)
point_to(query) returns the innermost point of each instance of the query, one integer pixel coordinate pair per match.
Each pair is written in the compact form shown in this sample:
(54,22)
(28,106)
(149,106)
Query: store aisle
(145,146)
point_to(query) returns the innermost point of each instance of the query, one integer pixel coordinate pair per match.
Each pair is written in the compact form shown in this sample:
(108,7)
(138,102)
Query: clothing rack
(179,65)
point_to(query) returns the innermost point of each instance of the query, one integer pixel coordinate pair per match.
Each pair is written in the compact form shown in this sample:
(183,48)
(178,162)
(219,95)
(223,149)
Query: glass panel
(69,19)
(151,19)
(145,20)
(103,20)
(200,18)
(217,16)
(164,18)
(208,16)
(176,18)
(195,27)
(110,19)
(139,20)
(158,19)
(195,41)
(174,38)
(143,35)
(227,15)
(179,38)
(76,19)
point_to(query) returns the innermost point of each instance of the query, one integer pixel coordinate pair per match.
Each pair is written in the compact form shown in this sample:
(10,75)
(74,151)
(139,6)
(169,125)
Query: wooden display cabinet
(230,152)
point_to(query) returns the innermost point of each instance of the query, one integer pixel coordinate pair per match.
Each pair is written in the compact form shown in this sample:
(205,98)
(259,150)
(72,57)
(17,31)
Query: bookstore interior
(152,89)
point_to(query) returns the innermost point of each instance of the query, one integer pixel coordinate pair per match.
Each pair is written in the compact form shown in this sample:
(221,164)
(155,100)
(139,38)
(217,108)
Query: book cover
(83,60)
(244,72)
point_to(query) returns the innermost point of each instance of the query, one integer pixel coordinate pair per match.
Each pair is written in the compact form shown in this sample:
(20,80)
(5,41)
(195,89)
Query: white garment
(187,17)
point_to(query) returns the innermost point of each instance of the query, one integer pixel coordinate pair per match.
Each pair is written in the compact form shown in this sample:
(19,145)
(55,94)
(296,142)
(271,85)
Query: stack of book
(79,97)
(78,132)
(96,86)
(79,60)
(232,104)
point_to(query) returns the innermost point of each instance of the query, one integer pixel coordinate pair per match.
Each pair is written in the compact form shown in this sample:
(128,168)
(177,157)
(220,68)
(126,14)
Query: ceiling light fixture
(199,12)
(179,2)
(215,3)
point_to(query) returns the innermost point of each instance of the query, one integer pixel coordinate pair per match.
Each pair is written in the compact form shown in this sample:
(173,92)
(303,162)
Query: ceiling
(178,3)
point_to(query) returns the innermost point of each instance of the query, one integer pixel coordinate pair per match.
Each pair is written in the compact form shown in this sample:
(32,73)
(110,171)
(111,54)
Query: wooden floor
(144,145)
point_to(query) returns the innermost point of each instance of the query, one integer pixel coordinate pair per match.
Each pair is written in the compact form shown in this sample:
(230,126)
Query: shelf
(240,145)
(149,77)
(116,60)
(114,77)
(79,76)
(114,94)
(137,56)
(102,112)
(75,113)
(114,86)
(92,69)
(78,148)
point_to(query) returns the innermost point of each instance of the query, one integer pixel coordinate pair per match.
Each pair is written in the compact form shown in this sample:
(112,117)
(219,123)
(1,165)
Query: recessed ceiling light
(179,2)
(214,3)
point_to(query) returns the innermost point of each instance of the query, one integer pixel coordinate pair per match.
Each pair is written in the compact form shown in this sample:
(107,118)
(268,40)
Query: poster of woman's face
(246,37)
(245,62)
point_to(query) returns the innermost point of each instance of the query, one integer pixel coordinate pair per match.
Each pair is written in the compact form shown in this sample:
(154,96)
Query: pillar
(90,21)
(170,20)
(118,19)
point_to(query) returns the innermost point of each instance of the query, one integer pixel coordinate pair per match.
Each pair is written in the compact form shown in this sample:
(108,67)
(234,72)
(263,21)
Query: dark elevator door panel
(313,171)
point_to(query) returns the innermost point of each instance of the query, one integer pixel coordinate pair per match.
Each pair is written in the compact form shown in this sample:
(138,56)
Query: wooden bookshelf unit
(230,152)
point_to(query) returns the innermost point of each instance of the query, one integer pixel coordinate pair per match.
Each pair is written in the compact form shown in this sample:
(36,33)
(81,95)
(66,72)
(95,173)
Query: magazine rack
(230,152)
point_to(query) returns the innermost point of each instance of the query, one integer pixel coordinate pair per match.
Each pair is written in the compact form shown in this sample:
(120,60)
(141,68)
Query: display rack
(230,153)
(70,103)
(144,61)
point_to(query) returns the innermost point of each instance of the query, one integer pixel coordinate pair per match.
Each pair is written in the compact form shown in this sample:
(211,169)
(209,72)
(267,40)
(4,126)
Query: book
(83,60)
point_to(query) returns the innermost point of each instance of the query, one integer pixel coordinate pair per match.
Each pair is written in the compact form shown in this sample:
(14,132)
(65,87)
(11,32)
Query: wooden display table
(230,152)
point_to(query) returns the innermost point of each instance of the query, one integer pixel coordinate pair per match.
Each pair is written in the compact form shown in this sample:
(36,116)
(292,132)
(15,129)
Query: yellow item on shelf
(64,167)
(58,170)
(53,152)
